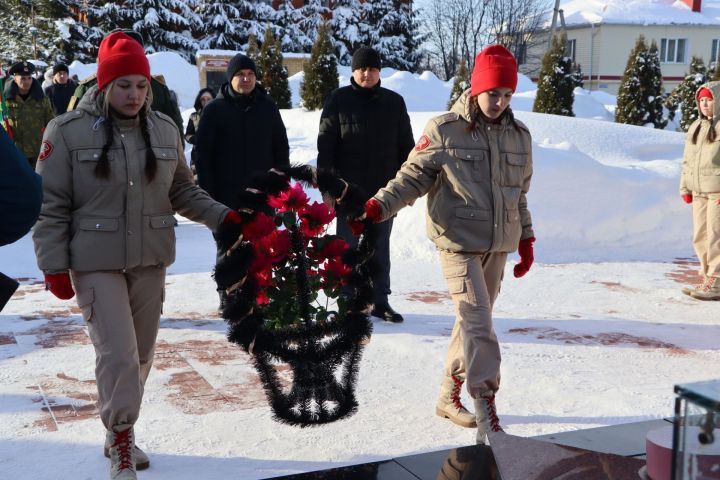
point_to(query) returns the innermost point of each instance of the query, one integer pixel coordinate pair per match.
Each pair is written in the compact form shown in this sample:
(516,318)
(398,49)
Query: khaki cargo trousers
(122,312)
(706,232)
(474,283)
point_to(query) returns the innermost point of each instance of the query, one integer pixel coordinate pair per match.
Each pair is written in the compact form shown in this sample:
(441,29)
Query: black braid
(150,160)
(102,169)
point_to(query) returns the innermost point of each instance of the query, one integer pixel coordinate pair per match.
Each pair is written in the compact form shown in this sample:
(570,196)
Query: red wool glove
(59,285)
(232,217)
(525,250)
(687,198)
(373,212)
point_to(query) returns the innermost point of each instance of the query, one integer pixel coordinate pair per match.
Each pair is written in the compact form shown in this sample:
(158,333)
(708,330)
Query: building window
(715,51)
(570,49)
(521,53)
(673,50)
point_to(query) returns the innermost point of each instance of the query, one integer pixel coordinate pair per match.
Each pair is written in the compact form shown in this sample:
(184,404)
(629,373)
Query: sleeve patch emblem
(45,150)
(423,143)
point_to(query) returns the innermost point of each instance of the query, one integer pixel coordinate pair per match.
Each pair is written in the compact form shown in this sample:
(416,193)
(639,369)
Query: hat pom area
(495,67)
(120,55)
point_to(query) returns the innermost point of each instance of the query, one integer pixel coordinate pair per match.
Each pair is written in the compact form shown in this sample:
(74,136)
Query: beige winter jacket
(701,161)
(88,223)
(476,182)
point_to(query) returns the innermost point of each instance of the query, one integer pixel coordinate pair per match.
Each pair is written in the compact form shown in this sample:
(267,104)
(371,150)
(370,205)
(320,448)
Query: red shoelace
(122,443)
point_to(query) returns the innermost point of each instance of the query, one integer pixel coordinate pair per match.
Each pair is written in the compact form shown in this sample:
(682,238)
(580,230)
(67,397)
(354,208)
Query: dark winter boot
(141,459)
(696,288)
(385,312)
(709,291)
(122,462)
(487,419)
(449,405)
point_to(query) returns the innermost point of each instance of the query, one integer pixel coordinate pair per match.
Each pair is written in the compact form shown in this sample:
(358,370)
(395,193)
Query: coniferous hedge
(321,75)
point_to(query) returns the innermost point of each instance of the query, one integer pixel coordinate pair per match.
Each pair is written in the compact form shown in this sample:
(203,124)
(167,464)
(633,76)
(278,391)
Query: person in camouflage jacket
(29,111)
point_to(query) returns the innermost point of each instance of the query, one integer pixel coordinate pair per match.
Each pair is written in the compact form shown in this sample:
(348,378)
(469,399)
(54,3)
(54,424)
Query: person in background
(204,96)
(113,176)
(20,200)
(700,186)
(162,98)
(365,135)
(475,164)
(61,90)
(240,135)
(28,110)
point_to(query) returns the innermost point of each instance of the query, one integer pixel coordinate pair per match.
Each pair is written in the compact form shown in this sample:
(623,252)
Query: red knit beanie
(495,67)
(120,55)
(704,92)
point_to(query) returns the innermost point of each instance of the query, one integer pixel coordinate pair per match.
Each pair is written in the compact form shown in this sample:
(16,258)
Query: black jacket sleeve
(20,192)
(406,141)
(205,139)
(329,135)
(190,131)
(281,147)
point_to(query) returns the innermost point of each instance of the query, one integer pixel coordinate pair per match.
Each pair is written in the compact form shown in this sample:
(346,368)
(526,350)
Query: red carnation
(275,246)
(293,199)
(258,227)
(314,218)
(330,249)
(262,298)
(335,273)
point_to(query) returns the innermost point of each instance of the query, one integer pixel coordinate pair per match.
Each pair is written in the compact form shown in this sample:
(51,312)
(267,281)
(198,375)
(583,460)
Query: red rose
(293,199)
(335,273)
(332,248)
(258,227)
(262,298)
(275,246)
(314,218)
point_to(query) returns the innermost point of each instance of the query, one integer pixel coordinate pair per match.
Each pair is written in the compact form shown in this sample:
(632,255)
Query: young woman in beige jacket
(113,175)
(700,186)
(475,164)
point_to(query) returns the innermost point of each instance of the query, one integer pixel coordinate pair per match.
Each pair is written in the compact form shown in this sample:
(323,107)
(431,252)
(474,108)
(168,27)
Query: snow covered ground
(596,334)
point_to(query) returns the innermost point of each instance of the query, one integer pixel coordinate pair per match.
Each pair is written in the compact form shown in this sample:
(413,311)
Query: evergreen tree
(393,29)
(222,26)
(683,96)
(290,37)
(640,96)
(651,84)
(557,81)
(312,18)
(253,51)
(29,31)
(348,32)
(320,73)
(274,74)
(460,83)
(165,25)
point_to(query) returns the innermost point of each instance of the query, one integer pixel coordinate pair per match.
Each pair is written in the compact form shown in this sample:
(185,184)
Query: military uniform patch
(45,150)
(423,143)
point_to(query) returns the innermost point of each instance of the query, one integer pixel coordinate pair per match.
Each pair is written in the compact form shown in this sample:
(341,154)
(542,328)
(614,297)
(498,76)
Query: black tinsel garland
(324,356)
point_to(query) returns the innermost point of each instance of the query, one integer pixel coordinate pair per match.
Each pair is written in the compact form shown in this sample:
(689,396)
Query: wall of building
(610,46)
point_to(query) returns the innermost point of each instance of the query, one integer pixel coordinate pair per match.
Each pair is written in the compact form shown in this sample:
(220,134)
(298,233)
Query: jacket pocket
(470,164)
(159,240)
(167,158)
(514,169)
(87,160)
(98,224)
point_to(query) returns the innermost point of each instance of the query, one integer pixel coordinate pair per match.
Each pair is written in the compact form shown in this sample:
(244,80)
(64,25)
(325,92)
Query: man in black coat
(20,200)
(61,90)
(240,135)
(365,135)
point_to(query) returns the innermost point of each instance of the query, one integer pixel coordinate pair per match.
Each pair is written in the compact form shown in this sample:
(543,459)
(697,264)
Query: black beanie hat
(239,62)
(365,57)
(60,67)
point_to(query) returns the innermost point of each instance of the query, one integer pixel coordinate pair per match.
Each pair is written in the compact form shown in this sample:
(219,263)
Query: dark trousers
(381,281)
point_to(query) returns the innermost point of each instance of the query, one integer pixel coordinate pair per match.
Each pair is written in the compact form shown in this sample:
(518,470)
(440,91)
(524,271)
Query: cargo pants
(474,353)
(706,232)
(122,312)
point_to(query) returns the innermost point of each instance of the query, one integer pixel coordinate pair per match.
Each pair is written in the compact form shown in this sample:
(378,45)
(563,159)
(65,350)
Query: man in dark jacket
(241,134)
(20,200)
(61,90)
(365,135)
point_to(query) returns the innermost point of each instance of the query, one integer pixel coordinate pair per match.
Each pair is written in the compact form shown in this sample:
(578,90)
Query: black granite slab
(385,470)
(474,462)
(627,439)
